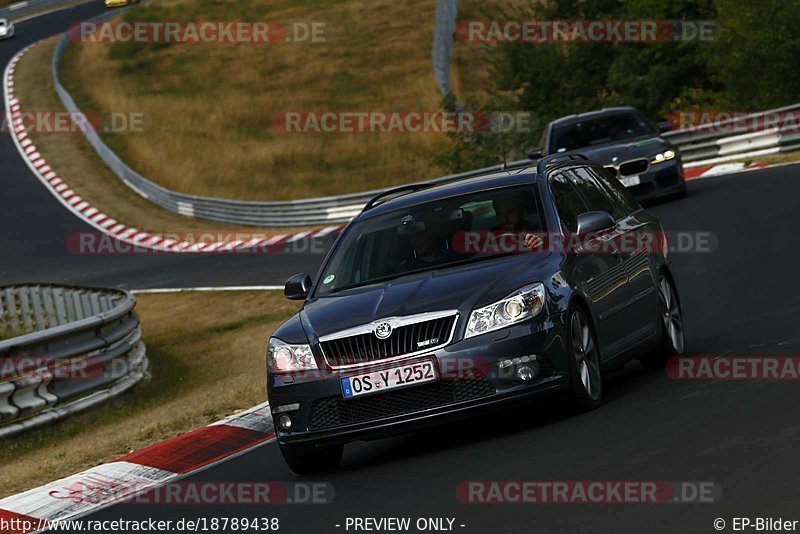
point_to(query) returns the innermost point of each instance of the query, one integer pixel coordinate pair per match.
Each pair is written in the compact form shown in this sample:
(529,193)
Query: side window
(593,193)
(568,202)
(618,191)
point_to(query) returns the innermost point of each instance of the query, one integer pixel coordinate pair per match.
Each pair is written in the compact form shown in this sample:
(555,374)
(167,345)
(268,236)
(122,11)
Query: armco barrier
(446,14)
(76,348)
(699,146)
(738,137)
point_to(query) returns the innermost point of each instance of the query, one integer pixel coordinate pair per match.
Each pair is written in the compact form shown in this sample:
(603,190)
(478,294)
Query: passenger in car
(513,217)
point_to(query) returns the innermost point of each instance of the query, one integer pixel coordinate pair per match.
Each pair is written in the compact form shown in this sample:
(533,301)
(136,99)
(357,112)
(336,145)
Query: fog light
(525,373)
(285,422)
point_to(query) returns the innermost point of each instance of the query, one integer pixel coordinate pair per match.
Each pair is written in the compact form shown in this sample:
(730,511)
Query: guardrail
(744,136)
(699,146)
(29,7)
(76,348)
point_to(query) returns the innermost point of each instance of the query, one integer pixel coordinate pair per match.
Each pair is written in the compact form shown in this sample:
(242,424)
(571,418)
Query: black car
(439,300)
(625,142)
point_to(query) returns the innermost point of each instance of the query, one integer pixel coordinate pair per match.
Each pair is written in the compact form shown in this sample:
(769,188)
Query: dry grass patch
(775,159)
(207,360)
(210,109)
(76,162)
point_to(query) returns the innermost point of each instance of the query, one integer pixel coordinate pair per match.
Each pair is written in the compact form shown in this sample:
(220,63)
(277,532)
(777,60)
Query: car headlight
(515,308)
(663,156)
(283,357)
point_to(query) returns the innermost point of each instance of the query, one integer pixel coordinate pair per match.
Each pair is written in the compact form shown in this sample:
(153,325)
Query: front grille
(333,412)
(637,166)
(366,348)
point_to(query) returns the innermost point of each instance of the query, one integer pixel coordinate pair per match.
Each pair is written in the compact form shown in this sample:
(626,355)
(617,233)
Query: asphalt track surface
(740,299)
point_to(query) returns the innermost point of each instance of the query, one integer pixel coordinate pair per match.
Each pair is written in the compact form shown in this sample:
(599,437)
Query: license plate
(392,378)
(629,181)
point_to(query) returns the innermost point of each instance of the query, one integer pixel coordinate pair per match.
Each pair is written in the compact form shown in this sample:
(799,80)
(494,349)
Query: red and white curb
(706,171)
(103,222)
(102,486)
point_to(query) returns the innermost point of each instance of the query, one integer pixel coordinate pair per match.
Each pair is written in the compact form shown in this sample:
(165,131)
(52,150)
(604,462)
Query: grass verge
(775,159)
(202,370)
(210,109)
(75,161)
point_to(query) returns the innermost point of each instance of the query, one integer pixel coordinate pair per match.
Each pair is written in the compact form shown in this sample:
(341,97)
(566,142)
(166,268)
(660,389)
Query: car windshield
(602,130)
(431,236)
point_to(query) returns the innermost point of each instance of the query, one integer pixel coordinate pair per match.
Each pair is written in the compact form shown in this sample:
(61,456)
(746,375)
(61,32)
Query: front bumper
(470,381)
(661,180)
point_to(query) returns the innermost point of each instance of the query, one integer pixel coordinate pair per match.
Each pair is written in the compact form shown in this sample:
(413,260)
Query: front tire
(310,459)
(671,340)
(586,379)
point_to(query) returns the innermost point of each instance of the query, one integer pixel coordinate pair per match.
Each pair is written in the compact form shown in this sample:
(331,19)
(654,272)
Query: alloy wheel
(671,314)
(587,360)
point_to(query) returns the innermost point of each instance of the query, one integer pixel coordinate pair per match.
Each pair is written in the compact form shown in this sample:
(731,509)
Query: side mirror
(536,153)
(297,287)
(664,127)
(595,221)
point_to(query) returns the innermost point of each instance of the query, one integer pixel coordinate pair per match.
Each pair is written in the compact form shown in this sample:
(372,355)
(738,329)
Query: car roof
(571,119)
(408,196)
(491,180)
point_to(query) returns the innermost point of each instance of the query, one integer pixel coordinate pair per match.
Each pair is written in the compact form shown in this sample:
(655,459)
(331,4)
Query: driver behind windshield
(427,246)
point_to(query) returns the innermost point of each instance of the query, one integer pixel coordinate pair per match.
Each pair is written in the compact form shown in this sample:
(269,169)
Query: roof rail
(397,191)
(554,159)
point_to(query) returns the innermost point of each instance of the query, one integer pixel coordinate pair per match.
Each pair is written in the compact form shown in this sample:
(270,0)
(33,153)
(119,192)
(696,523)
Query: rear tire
(310,459)
(671,336)
(583,359)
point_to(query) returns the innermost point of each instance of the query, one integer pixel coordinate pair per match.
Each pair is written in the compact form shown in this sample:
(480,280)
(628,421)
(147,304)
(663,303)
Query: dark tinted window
(618,191)
(568,203)
(593,193)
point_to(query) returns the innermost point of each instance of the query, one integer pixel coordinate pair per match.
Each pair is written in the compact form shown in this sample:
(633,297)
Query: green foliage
(749,66)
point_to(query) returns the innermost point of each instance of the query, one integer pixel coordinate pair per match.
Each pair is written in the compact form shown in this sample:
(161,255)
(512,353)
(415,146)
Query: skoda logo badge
(383,330)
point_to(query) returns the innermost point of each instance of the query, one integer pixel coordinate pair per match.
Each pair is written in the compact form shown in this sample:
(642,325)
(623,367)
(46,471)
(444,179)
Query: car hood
(640,147)
(457,288)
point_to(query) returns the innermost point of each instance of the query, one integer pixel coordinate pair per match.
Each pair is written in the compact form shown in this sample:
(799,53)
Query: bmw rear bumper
(470,382)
